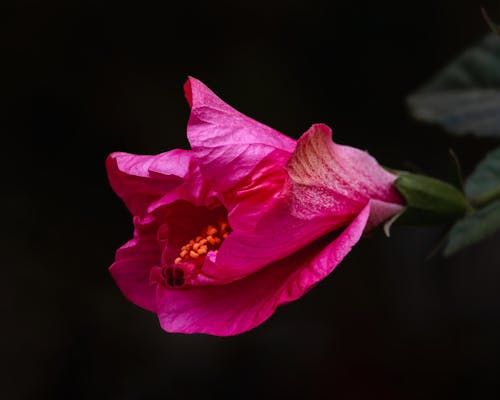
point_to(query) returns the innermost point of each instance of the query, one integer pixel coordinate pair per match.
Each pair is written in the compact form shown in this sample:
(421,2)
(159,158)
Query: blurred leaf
(465,96)
(474,228)
(484,182)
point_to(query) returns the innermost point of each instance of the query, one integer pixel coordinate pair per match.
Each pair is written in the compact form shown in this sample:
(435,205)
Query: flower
(247,220)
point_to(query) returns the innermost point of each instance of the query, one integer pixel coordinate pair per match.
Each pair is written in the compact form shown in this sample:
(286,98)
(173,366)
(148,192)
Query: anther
(193,254)
(210,239)
(211,230)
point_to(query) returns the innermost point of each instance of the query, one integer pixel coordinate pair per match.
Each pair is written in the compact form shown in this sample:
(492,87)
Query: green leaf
(484,183)
(465,96)
(474,228)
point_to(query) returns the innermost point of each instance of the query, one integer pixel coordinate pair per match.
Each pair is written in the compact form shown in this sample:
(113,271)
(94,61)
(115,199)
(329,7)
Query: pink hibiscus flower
(247,220)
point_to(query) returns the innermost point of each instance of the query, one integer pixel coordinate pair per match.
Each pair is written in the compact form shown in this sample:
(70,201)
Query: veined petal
(132,267)
(227,143)
(330,178)
(141,180)
(242,305)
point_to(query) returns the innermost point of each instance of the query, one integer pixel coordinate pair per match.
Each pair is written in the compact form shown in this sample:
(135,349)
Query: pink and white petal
(381,211)
(139,180)
(330,178)
(237,307)
(227,143)
(132,267)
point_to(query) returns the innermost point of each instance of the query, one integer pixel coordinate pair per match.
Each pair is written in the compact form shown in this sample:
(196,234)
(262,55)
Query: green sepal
(429,200)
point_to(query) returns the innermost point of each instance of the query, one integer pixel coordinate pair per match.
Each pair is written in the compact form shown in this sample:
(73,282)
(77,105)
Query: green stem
(486,198)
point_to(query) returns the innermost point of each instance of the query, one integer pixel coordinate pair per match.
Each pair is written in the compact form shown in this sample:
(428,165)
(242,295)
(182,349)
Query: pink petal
(277,235)
(227,143)
(132,267)
(140,180)
(329,185)
(242,305)
(381,211)
(329,178)
(258,192)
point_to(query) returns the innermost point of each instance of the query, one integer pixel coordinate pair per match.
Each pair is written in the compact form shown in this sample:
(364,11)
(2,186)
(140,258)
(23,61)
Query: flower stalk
(486,199)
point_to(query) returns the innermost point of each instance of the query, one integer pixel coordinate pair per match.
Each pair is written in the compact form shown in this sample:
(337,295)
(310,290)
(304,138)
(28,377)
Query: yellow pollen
(193,254)
(210,240)
(211,230)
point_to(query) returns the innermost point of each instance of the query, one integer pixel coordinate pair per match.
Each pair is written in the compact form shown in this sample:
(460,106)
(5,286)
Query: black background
(84,78)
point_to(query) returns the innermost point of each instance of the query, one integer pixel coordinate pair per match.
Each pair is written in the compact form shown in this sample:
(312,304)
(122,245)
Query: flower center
(192,255)
(210,238)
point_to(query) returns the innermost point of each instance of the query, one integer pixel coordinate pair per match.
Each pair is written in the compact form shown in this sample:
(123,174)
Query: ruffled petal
(244,304)
(227,143)
(132,267)
(140,180)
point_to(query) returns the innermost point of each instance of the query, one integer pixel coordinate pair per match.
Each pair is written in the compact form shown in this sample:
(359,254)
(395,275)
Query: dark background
(84,78)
